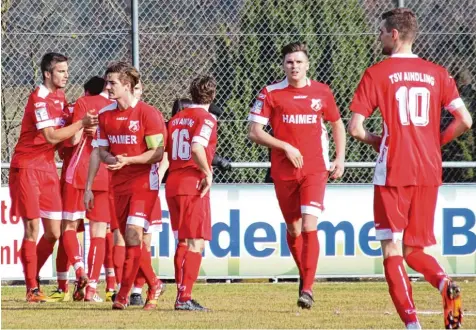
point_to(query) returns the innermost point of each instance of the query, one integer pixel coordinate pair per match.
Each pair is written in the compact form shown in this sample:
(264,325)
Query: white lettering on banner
(299,119)
(249,240)
(11,233)
(122,139)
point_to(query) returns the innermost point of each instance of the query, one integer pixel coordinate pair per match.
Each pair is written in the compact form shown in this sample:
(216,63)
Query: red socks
(310,254)
(191,269)
(118,257)
(146,267)
(62,267)
(427,266)
(44,249)
(400,289)
(73,251)
(97,250)
(178,261)
(109,263)
(29,261)
(295,246)
(131,267)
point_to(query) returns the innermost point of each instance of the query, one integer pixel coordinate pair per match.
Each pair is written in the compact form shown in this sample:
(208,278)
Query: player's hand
(90,120)
(294,156)
(376,143)
(88,199)
(337,168)
(121,161)
(90,131)
(205,185)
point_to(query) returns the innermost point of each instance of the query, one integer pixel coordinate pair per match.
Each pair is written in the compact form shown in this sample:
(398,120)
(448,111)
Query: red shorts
(34,194)
(139,209)
(406,213)
(190,216)
(302,196)
(73,205)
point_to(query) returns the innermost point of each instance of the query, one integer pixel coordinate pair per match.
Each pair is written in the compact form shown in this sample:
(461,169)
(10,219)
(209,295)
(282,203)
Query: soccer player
(192,138)
(93,86)
(73,206)
(296,109)
(33,180)
(131,142)
(410,93)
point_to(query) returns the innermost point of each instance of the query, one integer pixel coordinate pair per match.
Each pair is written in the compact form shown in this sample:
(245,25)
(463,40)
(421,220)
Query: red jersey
(191,125)
(43,109)
(79,167)
(132,132)
(297,117)
(410,93)
(65,149)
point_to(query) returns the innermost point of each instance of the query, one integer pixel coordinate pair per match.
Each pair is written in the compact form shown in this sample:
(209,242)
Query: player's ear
(47,75)
(395,34)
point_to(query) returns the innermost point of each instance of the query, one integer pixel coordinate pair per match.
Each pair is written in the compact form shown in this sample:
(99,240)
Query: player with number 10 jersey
(410,93)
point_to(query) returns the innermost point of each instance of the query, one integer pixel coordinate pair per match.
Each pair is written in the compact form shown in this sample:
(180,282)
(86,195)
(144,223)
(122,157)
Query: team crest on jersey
(316,104)
(134,126)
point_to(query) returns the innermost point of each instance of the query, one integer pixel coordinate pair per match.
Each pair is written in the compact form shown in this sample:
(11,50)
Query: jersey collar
(405,55)
(197,106)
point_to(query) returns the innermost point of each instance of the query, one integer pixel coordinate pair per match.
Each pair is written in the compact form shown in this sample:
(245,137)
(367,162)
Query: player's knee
(69,225)
(98,229)
(294,228)
(133,235)
(391,248)
(196,245)
(53,235)
(148,241)
(408,250)
(31,231)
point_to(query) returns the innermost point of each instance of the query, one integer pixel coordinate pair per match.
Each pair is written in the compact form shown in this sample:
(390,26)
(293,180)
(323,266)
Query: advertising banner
(249,235)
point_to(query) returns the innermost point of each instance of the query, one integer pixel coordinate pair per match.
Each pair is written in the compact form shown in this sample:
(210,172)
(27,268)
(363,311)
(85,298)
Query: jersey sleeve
(154,129)
(450,95)
(101,136)
(42,114)
(331,112)
(365,97)
(203,130)
(79,110)
(261,110)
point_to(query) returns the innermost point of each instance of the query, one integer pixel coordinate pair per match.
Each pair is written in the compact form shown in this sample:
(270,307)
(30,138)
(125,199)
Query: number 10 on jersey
(413,105)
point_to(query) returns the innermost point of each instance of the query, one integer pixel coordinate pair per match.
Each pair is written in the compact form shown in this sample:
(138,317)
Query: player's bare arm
(461,122)
(199,156)
(55,136)
(94,162)
(356,129)
(163,166)
(338,133)
(105,156)
(257,134)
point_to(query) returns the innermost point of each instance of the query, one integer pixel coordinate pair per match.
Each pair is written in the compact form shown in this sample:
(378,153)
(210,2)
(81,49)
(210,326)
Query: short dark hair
(180,104)
(49,60)
(294,47)
(203,89)
(403,20)
(95,85)
(127,73)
